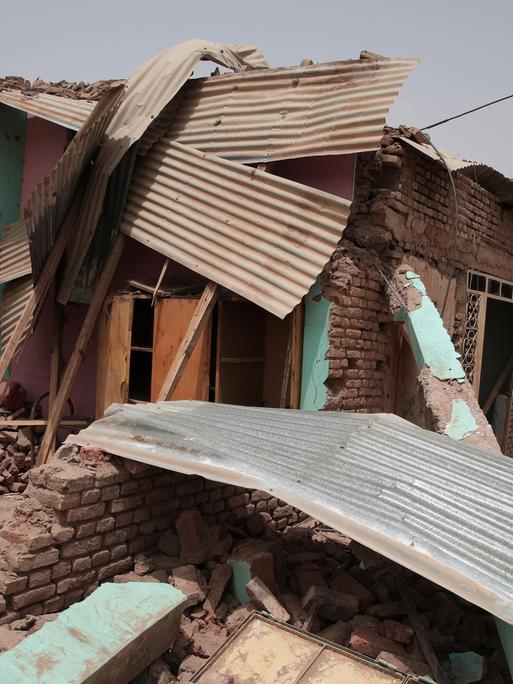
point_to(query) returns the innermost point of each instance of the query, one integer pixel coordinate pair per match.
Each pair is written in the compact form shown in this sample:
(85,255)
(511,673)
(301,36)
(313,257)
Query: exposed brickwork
(403,211)
(80,522)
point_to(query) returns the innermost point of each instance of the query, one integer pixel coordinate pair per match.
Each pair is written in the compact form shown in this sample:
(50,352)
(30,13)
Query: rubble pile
(308,576)
(68,89)
(15,442)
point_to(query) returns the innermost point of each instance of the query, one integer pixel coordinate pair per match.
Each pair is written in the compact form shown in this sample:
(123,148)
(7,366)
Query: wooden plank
(297,356)
(286,370)
(503,376)
(114,336)
(40,422)
(171,322)
(80,349)
(421,634)
(159,281)
(36,298)
(196,326)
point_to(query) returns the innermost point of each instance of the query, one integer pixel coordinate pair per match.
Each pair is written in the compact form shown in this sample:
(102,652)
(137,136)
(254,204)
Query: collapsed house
(247,239)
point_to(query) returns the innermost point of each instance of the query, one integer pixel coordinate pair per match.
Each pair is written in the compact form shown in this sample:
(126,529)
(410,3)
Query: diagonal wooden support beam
(196,326)
(70,374)
(36,298)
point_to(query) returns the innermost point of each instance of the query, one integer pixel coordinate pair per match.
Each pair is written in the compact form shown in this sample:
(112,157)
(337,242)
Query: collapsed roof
(434,505)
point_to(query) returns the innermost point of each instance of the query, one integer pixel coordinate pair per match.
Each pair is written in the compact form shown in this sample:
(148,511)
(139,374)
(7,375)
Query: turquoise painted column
(13,125)
(315,346)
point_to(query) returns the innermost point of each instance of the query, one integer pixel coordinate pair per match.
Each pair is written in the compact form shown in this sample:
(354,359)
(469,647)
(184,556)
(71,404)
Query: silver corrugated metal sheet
(437,506)
(61,110)
(51,199)
(14,253)
(264,237)
(333,108)
(494,181)
(147,92)
(15,295)
(452,162)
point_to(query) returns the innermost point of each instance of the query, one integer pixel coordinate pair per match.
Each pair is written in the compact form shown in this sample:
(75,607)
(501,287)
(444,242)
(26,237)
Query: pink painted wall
(44,145)
(331,174)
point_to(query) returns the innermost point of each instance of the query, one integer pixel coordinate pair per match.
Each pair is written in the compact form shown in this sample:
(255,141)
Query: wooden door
(114,338)
(171,320)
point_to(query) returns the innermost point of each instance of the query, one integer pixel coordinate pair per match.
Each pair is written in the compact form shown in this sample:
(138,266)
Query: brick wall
(403,212)
(84,517)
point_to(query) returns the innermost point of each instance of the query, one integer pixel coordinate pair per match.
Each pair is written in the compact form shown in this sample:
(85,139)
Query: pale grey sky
(466,47)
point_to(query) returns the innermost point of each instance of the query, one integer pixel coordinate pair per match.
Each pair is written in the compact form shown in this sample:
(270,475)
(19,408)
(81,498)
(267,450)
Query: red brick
(75,582)
(126,503)
(81,564)
(193,535)
(86,529)
(109,493)
(344,582)
(123,519)
(370,643)
(59,502)
(396,631)
(86,512)
(61,534)
(190,486)
(115,568)
(90,496)
(108,474)
(105,524)
(83,547)
(40,578)
(129,487)
(11,583)
(142,514)
(32,596)
(117,552)
(53,605)
(23,562)
(100,557)
(61,569)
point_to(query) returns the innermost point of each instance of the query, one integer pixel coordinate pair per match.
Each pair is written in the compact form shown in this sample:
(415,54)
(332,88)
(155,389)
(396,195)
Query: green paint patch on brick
(430,342)
(462,422)
(107,637)
(315,347)
(241,574)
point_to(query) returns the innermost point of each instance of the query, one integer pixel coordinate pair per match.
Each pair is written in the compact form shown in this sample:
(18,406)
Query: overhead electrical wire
(469,111)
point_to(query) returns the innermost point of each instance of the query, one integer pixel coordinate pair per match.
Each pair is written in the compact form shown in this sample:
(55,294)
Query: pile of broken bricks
(310,577)
(15,453)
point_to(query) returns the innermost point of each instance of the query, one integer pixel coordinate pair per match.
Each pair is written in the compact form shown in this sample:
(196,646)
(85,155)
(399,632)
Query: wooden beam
(70,374)
(196,326)
(159,281)
(421,634)
(286,369)
(37,297)
(55,358)
(508,368)
(40,422)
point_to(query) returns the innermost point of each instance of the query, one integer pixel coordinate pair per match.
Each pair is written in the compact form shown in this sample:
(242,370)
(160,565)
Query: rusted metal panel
(252,116)
(61,110)
(51,199)
(492,180)
(264,237)
(436,506)
(290,656)
(14,253)
(147,92)
(14,298)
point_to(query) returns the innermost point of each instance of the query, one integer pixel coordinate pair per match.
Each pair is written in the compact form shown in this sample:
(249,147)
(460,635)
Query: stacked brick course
(84,517)
(403,209)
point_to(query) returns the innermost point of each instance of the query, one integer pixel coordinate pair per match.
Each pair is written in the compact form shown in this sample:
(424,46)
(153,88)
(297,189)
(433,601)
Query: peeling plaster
(430,341)
(462,421)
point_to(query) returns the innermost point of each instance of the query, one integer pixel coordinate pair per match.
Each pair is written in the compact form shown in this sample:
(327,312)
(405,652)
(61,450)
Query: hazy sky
(466,47)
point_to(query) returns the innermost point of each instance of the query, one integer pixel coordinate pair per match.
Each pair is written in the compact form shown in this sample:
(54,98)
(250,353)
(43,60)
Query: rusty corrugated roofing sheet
(14,253)
(434,505)
(15,295)
(61,110)
(264,237)
(51,199)
(147,92)
(492,180)
(333,108)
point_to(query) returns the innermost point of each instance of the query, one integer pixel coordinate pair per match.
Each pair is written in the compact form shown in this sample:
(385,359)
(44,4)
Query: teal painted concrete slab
(241,575)
(315,346)
(430,341)
(462,422)
(107,638)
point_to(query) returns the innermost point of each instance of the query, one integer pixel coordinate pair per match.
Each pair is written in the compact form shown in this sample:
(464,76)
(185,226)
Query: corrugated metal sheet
(429,151)
(14,253)
(492,180)
(147,92)
(61,110)
(15,296)
(437,506)
(264,237)
(333,108)
(51,199)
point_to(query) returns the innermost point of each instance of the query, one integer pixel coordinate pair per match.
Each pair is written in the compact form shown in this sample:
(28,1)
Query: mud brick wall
(403,212)
(83,517)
